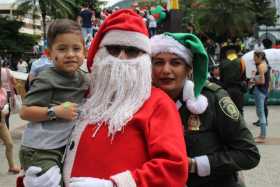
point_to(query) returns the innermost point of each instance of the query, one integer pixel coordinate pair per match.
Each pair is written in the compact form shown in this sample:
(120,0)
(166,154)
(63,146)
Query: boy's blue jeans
(259,101)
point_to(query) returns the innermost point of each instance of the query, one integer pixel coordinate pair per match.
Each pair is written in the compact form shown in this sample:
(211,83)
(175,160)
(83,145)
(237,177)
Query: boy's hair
(61,26)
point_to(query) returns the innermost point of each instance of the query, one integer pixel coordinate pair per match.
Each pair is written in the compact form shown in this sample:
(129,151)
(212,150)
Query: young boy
(51,105)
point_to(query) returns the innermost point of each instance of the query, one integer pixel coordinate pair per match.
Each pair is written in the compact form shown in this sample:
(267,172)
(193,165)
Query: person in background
(85,20)
(39,65)
(215,74)
(9,83)
(261,82)
(190,28)
(22,66)
(257,123)
(36,50)
(218,142)
(5,134)
(152,25)
(259,45)
(232,74)
(36,67)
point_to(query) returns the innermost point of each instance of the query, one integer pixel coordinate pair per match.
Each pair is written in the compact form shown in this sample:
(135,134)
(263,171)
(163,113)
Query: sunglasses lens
(113,50)
(132,52)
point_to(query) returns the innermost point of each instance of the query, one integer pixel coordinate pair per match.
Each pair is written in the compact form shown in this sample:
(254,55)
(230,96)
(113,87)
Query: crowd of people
(17,64)
(144,115)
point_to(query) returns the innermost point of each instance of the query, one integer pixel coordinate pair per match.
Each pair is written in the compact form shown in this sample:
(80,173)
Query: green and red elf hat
(191,50)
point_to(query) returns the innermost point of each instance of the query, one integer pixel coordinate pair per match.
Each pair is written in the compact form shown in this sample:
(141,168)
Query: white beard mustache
(119,88)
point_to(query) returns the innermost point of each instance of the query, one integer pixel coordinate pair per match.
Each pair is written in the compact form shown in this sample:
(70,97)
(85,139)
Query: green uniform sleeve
(240,151)
(40,93)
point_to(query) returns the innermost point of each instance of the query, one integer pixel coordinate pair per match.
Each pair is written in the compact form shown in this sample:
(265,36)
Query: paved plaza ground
(266,174)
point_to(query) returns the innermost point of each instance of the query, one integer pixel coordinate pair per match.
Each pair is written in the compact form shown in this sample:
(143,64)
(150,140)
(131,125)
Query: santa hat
(188,47)
(123,27)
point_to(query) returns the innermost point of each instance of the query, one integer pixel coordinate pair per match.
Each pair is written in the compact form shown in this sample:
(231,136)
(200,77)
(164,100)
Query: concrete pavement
(267,173)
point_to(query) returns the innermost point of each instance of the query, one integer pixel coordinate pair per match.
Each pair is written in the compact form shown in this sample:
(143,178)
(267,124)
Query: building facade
(271,34)
(30,26)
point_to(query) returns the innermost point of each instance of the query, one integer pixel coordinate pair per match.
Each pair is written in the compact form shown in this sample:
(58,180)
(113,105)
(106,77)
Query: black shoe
(257,123)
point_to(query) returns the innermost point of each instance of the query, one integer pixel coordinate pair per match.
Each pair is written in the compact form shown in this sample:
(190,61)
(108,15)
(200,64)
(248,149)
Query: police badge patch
(229,108)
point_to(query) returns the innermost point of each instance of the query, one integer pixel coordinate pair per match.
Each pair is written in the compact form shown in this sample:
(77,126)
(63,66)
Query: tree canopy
(10,37)
(52,8)
(231,18)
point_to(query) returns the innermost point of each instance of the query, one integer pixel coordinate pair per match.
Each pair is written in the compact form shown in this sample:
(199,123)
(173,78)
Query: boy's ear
(47,52)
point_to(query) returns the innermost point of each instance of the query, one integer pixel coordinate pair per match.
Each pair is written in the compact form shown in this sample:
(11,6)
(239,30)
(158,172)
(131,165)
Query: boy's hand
(67,110)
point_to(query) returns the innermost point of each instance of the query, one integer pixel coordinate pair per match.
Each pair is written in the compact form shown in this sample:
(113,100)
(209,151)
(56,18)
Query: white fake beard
(119,88)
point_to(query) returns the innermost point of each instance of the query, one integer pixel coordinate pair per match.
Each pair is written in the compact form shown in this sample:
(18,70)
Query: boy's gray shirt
(50,88)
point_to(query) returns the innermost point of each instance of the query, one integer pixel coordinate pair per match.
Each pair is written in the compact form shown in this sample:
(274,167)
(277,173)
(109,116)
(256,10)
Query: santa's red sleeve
(168,158)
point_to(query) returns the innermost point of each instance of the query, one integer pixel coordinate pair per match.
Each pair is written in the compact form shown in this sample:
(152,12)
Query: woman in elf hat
(218,141)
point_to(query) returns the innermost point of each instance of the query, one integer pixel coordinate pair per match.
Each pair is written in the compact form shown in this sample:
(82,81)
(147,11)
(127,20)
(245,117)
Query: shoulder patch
(212,86)
(229,108)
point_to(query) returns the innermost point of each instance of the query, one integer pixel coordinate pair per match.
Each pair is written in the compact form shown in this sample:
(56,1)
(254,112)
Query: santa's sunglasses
(131,52)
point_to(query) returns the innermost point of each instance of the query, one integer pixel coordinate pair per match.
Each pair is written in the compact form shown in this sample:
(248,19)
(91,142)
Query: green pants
(44,159)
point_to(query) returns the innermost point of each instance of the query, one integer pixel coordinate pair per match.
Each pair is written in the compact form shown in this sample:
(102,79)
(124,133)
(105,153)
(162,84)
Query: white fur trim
(188,90)
(166,44)
(71,154)
(124,179)
(196,105)
(127,38)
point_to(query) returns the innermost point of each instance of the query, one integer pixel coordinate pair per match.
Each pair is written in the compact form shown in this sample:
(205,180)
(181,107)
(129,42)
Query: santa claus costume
(129,132)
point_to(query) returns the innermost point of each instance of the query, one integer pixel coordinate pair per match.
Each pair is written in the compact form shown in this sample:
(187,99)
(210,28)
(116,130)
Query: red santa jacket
(148,152)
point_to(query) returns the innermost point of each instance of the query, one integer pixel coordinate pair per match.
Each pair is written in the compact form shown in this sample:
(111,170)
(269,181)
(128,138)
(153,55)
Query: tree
(224,18)
(52,8)
(10,37)
(151,3)
(264,13)
(231,18)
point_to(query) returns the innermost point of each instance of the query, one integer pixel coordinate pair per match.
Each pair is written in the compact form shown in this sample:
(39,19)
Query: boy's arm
(34,113)
(37,100)
(67,111)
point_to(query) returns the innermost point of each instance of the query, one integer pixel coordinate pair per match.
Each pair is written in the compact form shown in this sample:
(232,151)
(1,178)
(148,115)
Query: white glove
(49,179)
(89,182)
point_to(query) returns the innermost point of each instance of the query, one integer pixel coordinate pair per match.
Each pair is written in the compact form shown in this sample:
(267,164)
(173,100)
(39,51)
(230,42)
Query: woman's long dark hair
(261,53)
